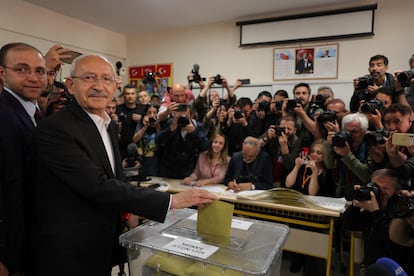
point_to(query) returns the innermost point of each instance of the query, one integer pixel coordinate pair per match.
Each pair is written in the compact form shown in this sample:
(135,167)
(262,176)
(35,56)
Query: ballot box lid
(252,248)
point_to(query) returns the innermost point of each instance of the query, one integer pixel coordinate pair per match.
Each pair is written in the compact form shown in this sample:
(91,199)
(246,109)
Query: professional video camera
(365,81)
(364,193)
(292,103)
(399,206)
(376,137)
(196,74)
(372,105)
(218,80)
(404,78)
(341,137)
(150,77)
(326,116)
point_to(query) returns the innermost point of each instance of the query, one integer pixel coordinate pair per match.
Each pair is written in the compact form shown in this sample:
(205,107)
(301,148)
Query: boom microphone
(393,267)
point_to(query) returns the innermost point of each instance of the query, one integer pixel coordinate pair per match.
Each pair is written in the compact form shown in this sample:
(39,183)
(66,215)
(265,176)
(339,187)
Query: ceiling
(132,17)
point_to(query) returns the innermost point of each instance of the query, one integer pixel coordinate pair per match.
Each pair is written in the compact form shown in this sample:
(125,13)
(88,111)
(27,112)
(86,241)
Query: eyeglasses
(106,80)
(25,71)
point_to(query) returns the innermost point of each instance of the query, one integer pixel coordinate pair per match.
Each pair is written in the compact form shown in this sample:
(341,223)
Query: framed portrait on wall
(310,62)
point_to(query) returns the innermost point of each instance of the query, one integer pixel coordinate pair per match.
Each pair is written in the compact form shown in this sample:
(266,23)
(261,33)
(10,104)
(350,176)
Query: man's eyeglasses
(25,71)
(93,79)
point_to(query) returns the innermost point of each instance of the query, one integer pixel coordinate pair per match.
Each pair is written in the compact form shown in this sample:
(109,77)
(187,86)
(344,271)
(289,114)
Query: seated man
(250,168)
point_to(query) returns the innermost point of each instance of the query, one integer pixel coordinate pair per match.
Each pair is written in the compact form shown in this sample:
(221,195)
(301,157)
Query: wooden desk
(313,234)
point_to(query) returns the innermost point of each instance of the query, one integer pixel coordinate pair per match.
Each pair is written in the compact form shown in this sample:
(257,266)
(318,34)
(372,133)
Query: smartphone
(245,81)
(73,55)
(182,107)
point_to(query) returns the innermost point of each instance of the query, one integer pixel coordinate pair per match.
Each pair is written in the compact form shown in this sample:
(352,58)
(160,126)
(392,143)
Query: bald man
(179,95)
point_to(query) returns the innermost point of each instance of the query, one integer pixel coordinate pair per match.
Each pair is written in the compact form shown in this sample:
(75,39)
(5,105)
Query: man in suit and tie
(304,64)
(80,192)
(23,73)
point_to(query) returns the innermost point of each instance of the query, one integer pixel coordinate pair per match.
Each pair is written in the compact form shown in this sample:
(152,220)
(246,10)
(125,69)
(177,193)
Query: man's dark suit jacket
(78,199)
(260,171)
(16,176)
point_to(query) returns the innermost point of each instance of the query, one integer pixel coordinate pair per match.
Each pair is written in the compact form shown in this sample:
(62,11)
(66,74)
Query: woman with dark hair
(212,164)
(145,134)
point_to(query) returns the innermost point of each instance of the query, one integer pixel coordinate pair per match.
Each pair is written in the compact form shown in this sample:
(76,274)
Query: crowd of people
(64,175)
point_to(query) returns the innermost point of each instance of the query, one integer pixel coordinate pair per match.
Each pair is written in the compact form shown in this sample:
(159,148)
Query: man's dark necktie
(38,116)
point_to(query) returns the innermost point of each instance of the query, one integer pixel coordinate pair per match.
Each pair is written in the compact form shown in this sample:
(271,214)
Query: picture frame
(306,62)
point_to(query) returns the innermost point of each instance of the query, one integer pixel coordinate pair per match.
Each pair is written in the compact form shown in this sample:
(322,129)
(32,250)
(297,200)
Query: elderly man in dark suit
(250,168)
(23,72)
(80,192)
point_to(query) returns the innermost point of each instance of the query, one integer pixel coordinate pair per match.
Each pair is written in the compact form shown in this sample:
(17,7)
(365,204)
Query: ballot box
(176,248)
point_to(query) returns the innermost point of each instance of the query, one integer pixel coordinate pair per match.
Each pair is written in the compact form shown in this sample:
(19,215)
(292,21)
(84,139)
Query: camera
(238,114)
(365,81)
(263,106)
(405,77)
(122,117)
(152,121)
(196,74)
(182,121)
(224,102)
(217,79)
(364,193)
(278,105)
(341,137)
(292,103)
(326,116)
(279,130)
(320,99)
(371,105)
(399,206)
(182,107)
(376,137)
(245,81)
(150,78)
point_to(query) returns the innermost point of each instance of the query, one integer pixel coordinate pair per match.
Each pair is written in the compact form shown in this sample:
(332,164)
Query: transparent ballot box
(176,248)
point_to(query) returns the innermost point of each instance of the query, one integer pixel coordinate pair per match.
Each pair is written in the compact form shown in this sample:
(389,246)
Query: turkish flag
(135,72)
(148,68)
(284,56)
(164,70)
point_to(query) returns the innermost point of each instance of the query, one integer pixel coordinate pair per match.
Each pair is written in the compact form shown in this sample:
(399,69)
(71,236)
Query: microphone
(132,154)
(393,267)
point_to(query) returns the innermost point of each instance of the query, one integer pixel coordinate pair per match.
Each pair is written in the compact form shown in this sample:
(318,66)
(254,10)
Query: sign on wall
(310,62)
(154,78)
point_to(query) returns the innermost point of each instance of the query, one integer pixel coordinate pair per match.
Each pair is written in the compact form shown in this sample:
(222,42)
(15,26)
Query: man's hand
(192,197)
(343,151)
(54,55)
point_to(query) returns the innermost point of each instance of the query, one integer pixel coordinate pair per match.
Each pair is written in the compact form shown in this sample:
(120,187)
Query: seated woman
(310,176)
(211,164)
(144,137)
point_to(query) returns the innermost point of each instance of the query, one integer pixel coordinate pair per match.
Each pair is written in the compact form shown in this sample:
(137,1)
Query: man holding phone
(179,95)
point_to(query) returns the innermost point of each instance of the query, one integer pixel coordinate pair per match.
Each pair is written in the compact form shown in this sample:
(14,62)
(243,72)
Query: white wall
(24,22)
(216,49)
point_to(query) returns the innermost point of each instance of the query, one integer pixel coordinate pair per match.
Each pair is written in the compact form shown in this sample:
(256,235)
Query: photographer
(145,135)
(259,120)
(180,142)
(366,86)
(348,144)
(128,116)
(283,146)
(237,125)
(368,214)
(178,95)
(208,106)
